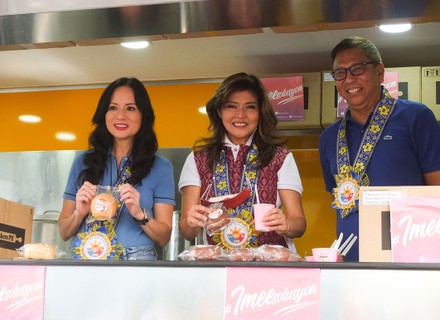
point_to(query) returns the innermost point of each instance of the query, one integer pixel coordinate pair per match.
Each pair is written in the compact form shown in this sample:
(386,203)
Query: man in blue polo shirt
(380,141)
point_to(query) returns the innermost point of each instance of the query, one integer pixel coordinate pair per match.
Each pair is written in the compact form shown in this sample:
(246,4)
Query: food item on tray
(240,254)
(201,252)
(103,206)
(38,251)
(272,253)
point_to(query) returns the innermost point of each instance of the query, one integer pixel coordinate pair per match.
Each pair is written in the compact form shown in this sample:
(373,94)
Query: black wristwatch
(143,221)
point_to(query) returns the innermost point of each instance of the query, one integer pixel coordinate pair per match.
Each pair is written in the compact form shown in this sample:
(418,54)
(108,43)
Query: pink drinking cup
(260,210)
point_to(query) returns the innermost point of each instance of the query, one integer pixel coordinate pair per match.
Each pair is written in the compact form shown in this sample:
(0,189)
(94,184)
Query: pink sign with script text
(391,83)
(415,229)
(22,292)
(286,96)
(272,293)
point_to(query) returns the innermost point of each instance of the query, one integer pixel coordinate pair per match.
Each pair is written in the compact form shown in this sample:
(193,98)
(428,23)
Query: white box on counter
(374,218)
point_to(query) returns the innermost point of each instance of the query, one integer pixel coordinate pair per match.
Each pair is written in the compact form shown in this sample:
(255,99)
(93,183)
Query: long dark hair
(265,137)
(101,141)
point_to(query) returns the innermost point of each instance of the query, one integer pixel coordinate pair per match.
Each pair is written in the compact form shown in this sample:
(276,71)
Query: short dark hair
(363,44)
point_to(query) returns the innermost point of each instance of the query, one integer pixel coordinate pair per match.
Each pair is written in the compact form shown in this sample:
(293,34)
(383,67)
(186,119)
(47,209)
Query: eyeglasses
(356,69)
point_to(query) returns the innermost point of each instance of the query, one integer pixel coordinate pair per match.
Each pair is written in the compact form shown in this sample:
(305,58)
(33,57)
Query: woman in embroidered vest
(242,152)
(122,153)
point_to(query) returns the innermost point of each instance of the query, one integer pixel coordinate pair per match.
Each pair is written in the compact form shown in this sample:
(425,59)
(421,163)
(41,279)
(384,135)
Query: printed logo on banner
(272,293)
(390,82)
(415,229)
(286,96)
(22,292)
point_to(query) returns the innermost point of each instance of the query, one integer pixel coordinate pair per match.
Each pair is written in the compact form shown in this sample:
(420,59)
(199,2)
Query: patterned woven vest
(267,183)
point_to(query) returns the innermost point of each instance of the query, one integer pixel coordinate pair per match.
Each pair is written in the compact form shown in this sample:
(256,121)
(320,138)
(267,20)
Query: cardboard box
(374,218)
(409,89)
(431,89)
(15,227)
(312,103)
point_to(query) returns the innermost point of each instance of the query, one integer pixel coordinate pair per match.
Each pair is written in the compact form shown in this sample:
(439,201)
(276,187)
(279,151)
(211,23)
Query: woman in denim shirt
(122,153)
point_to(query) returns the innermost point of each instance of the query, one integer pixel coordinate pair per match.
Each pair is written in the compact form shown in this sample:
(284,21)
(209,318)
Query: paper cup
(326,255)
(260,210)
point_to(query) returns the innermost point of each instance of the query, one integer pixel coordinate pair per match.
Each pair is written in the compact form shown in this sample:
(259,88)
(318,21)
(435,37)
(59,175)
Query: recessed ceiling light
(65,136)
(202,110)
(29,118)
(395,28)
(135,44)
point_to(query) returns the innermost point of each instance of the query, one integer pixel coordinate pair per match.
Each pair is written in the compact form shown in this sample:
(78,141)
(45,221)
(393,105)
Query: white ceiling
(265,53)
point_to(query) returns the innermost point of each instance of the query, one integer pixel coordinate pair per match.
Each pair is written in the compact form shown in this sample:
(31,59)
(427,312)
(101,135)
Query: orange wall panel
(61,110)
(320,217)
(178,122)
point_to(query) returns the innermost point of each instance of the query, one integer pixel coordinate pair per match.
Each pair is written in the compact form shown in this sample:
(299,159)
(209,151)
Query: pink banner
(272,293)
(286,96)
(390,82)
(415,229)
(342,106)
(22,292)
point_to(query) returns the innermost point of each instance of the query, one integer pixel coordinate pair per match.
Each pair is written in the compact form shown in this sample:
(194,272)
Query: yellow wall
(178,124)
(321,219)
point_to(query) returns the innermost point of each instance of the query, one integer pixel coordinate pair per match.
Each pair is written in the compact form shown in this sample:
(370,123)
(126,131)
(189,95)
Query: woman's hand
(84,197)
(276,221)
(197,216)
(131,197)
(293,214)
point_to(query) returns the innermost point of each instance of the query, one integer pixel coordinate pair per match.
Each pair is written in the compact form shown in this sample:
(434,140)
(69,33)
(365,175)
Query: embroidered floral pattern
(343,151)
(267,182)
(248,180)
(348,175)
(367,147)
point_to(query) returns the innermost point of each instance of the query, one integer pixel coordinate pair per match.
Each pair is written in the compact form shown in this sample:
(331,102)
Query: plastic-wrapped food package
(273,253)
(40,251)
(201,252)
(104,204)
(241,254)
(218,219)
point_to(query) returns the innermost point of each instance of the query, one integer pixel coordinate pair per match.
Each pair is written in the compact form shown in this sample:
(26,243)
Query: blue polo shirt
(408,148)
(156,187)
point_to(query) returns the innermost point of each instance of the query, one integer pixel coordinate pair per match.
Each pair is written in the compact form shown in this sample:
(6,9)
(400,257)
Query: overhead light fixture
(395,28)
(136,44)
(29,118)
(202,110)
(65,136)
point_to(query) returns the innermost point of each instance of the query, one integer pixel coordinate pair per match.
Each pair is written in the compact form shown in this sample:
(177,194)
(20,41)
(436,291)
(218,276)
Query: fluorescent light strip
(65,136)
(202,110)
(395,28)
(28,118)
(135,44)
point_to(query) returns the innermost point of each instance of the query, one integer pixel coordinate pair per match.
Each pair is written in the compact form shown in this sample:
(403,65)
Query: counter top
(181,290)
(224,264)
